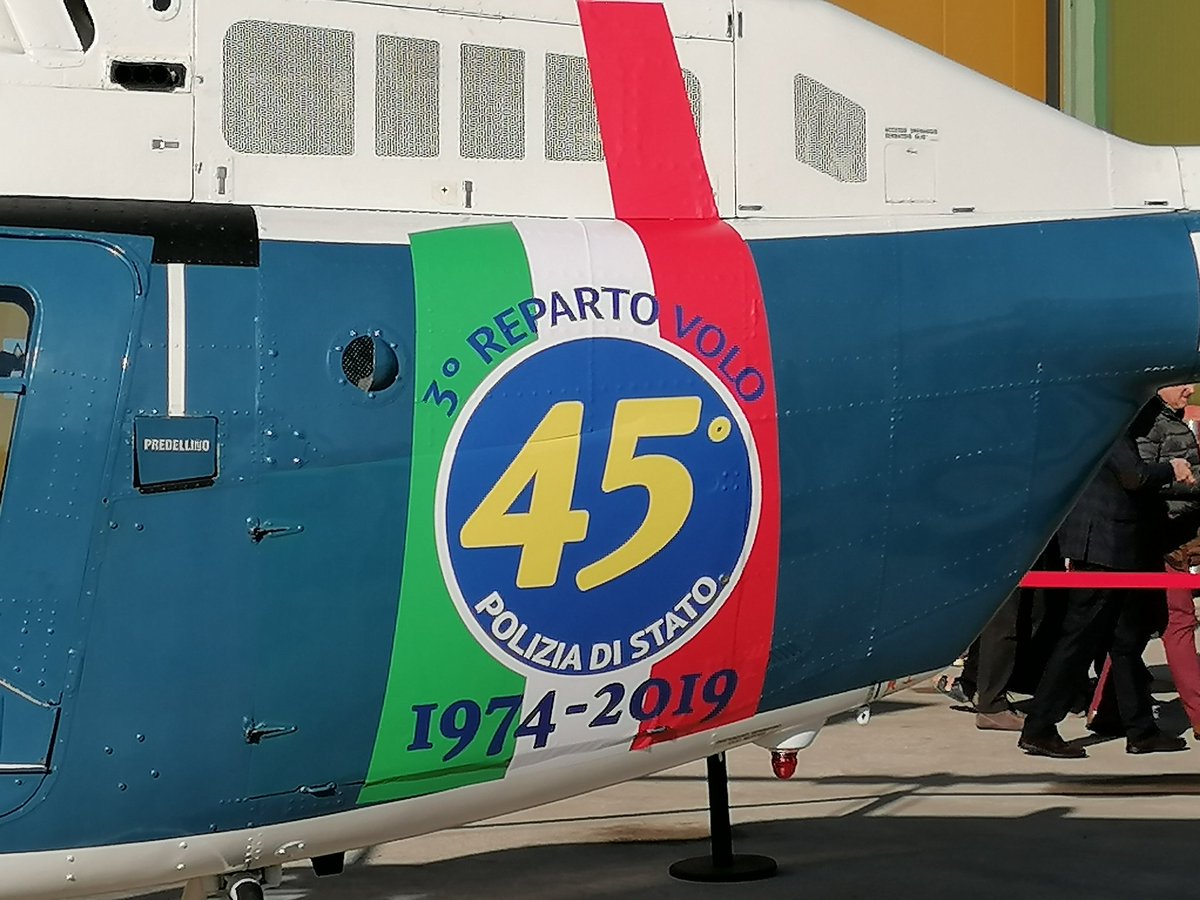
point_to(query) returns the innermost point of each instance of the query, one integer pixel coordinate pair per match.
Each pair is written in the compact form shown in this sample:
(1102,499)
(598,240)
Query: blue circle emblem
(596,506)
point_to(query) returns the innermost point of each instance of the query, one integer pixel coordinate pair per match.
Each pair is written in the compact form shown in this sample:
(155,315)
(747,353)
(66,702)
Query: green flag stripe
(464,277)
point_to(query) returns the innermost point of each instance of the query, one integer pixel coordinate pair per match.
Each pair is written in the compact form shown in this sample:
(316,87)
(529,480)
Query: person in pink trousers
(1171,438)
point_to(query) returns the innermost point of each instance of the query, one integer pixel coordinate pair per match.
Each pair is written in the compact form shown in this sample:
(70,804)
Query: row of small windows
(289,89)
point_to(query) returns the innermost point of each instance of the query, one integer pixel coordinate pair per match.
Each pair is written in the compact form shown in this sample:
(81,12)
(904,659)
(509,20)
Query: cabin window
(10,41)
(289,89)
(16,316)
(572,126)
(831,131)
(493,103)
(81,23)
(81,20)
(407,97)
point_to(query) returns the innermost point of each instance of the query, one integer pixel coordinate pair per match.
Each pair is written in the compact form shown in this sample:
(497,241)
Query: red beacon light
(784,750)
(783,763)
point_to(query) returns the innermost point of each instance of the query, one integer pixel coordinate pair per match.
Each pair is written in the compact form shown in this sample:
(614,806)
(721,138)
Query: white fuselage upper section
(483,107)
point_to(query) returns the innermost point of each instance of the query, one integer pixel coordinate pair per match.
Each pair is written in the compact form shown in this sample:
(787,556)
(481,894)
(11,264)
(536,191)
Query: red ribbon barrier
(1149,581)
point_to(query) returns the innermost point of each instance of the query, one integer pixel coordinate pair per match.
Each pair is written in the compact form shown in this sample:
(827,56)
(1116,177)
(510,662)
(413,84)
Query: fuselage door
(65,312)
(708,76)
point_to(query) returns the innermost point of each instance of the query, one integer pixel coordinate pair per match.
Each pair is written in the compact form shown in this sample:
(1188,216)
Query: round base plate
(745,867)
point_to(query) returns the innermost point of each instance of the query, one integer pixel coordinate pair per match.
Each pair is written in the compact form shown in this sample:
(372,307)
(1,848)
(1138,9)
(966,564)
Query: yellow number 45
(550,460)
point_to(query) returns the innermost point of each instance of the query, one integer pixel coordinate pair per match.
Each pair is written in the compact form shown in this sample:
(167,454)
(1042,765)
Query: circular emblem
(596,504)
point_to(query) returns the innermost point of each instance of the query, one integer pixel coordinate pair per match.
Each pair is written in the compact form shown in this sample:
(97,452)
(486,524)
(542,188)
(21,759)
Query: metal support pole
(718,811)
(723,865)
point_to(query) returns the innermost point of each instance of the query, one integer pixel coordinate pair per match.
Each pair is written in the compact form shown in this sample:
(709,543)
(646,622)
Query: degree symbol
(719,429)
(451,367)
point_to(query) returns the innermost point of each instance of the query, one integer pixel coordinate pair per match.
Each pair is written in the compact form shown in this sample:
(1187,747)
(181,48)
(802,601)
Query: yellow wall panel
(980,35)
(922,21)
(1003,39)
(1029,47)
(14,323)
(1154,69)
(8,414)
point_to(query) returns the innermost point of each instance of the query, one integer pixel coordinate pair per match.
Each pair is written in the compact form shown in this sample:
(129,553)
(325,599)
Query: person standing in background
(991,663)
(1109,529)
(1170,438)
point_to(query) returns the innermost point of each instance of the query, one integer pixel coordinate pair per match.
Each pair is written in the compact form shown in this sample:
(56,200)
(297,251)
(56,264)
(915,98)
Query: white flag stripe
(563,257)
(570,260)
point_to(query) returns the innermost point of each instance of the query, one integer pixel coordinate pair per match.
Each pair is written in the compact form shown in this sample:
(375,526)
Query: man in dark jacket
(1115,526)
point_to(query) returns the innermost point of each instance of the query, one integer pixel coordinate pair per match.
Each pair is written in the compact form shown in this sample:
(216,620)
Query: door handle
(258,732)
(260,531)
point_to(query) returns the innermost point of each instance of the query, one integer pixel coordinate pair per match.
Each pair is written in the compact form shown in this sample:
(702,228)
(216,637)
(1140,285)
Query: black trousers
(1092,618)
(1127,694)
(993,656)
(1011,651)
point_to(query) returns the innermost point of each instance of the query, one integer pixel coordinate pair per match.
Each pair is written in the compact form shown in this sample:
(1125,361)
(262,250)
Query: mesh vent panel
(695,98)
(831,131)
(572,128)
(407,97)
(493,103)
(358,361)
(289,89)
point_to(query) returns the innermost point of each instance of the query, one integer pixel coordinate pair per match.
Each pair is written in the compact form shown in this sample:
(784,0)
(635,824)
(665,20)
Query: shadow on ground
(1046,855)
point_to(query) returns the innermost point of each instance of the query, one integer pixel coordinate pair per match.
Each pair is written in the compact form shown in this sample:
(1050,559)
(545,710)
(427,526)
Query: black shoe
(1159,743)
(1051,745)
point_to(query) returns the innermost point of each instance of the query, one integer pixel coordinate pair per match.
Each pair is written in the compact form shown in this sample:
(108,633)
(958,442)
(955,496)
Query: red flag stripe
(701,267)
(655,164)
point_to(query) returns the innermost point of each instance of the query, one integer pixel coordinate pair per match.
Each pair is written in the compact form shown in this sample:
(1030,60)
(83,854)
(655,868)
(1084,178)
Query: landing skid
(723,865)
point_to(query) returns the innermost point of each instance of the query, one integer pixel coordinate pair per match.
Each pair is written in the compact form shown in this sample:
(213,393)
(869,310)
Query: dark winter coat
(1170,438)
(1118,520)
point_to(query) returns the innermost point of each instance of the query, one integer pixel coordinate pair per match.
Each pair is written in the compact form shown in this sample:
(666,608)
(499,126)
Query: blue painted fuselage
(943,396)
